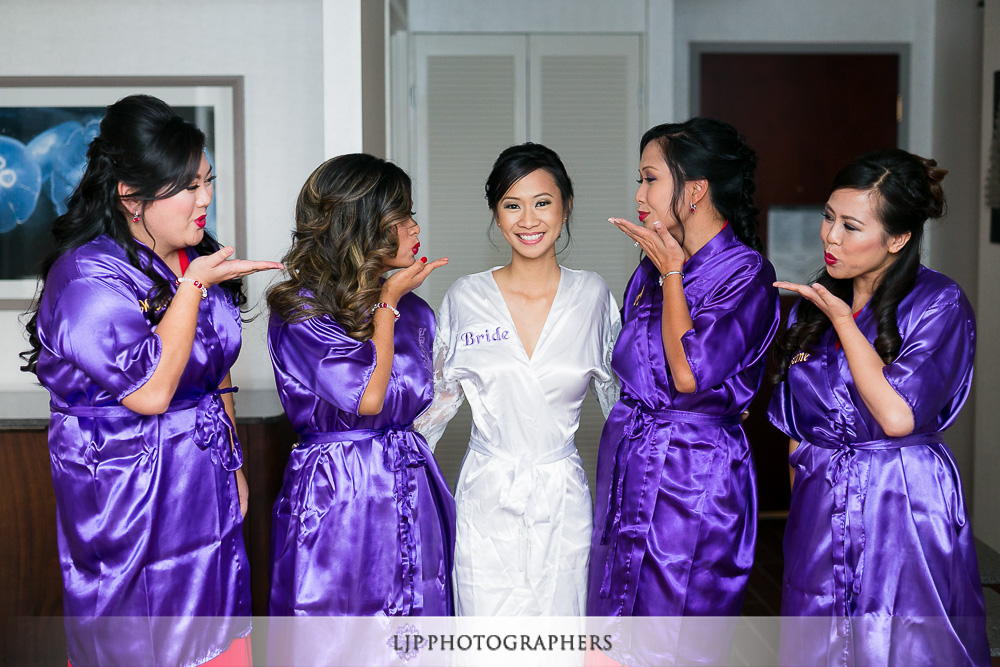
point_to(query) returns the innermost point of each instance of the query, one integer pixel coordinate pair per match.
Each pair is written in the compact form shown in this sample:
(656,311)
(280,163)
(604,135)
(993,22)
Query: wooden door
(806,115)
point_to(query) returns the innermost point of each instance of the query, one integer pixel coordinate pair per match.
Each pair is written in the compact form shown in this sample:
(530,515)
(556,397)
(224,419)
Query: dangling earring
(135,217)
(694,207)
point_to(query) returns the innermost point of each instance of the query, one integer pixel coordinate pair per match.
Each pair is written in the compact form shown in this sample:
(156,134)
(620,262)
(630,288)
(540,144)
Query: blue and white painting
(43,154)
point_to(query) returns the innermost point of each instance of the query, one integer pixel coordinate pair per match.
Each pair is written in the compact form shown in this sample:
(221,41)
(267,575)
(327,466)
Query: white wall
(987,497)
(955,145)
(277,46)
(527,16)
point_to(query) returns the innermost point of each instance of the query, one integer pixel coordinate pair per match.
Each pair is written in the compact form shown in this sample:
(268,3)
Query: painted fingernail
(656,223)
(423,259)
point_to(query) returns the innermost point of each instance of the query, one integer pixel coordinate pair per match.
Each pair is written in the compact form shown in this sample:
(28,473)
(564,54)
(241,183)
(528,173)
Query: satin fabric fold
(148,522)
(364,522)
(878,539)
(642,425)
(523,502)
(676,491)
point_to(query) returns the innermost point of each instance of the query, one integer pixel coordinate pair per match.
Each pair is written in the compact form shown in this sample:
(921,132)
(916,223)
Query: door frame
(900,49)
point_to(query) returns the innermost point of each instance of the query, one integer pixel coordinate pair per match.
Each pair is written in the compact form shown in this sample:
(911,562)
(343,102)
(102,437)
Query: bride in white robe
(523,343)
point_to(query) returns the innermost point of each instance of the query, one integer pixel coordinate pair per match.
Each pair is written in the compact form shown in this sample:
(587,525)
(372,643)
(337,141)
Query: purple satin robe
(878,539)
(364,524)
(148,516)
(675,520)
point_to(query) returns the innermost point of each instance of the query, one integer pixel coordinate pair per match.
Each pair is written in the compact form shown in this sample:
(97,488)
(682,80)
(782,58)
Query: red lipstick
(829,259)
(416,248)
(643,215)
(200,222)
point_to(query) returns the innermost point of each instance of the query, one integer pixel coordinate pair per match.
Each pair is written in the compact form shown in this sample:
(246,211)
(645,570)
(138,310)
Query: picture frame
(42,115)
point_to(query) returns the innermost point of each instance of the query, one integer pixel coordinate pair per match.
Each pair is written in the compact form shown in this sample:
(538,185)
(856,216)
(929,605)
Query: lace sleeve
(605,384)
(448,394)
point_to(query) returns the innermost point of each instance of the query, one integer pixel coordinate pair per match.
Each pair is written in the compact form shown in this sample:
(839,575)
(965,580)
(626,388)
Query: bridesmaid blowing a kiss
(876,362)
(364,522)
(675,523)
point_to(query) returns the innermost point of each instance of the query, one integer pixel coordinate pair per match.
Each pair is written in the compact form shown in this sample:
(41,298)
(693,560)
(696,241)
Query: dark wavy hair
(344,221)
(705,148)
(905,191)
(144,145)
(516,162)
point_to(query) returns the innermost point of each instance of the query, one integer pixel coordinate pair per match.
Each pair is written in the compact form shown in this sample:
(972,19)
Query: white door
(473,96)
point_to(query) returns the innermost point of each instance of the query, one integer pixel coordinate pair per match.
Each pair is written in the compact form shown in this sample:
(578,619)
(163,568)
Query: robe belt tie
(642,421)
(522,486)
(847,522)
(211,420)
(401,451)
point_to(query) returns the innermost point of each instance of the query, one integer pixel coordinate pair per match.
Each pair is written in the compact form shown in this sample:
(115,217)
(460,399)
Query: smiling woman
(523,342)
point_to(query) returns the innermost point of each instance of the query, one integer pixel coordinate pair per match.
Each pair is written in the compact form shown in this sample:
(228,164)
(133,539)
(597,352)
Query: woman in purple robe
(876,362)
(136,354)
(364,523)
(675,522)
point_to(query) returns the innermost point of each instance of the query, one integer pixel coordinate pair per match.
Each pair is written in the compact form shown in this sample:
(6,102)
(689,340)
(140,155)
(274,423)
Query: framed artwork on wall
(992,188)
(46,125)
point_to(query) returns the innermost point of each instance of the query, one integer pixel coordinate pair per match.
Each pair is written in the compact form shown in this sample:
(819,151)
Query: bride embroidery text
(470,338)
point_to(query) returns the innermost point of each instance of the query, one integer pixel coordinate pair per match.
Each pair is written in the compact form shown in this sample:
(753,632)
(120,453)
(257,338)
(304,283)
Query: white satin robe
(523,503)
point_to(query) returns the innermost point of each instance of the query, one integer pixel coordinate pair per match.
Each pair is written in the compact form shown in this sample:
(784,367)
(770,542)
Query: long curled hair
(708,149)
(905,191)
(516,162)
(344,234)
(155,153)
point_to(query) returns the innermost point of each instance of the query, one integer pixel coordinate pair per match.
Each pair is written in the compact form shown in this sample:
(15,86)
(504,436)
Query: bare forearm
(889,409)
(176,332)
(374,396)
(676,322)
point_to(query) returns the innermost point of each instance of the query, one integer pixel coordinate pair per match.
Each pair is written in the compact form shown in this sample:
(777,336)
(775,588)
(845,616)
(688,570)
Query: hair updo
(709,149)
(155,153)
(905,191)
(516,162)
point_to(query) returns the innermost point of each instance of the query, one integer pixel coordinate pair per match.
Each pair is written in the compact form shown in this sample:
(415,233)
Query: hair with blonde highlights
(344,235)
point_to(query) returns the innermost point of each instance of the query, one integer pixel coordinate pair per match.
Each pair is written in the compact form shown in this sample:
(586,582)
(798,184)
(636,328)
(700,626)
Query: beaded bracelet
(670,273)
(196,283)
(383,304)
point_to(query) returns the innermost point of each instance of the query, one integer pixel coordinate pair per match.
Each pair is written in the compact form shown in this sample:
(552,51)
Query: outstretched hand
(218,268)
(832,306)
(660,246)
(406,280)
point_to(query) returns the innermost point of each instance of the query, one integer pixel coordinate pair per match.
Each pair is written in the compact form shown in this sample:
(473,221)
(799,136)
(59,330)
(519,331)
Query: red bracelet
(383,304)
(196,283)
